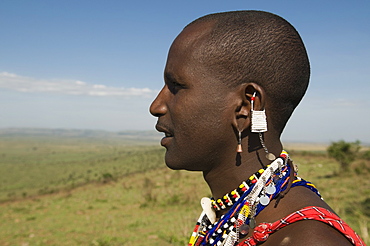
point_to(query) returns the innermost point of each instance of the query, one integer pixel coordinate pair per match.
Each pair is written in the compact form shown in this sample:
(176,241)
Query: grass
(141,201)
(116,213)
(45,165)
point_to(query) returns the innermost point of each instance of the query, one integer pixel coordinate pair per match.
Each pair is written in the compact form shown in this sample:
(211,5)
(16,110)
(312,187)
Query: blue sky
(99,64)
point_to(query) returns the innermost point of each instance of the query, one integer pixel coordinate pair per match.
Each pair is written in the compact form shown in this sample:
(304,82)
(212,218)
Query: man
(227,74)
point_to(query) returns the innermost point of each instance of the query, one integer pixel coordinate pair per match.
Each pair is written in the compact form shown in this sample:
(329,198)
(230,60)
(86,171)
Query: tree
(344,152)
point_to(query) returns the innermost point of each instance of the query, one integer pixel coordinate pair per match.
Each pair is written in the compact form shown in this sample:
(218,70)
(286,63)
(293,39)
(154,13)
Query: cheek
(199,128)
(194,120)
(203,114)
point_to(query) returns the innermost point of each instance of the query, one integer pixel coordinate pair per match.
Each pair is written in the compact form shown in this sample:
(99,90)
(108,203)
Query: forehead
(185,55)
(193,35)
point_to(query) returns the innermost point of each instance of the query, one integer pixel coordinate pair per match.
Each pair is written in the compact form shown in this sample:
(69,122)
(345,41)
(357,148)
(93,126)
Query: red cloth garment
(263,230)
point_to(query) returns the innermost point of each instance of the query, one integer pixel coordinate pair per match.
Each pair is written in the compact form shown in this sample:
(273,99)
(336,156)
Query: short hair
(260,47)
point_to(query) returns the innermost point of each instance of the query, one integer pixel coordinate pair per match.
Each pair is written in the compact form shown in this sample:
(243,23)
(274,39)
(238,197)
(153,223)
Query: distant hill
(150,136)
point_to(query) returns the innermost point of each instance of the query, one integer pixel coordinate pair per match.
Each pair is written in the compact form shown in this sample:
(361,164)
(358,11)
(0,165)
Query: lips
(168,135)
(164,129)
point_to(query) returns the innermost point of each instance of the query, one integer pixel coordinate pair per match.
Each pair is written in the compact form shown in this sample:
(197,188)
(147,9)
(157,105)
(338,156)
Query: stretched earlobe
(241,122)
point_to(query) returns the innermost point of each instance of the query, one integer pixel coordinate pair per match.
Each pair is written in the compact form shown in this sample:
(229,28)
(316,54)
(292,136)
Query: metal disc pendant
(252,223)
(270,189)
(264,200)
(270,156)
(244,230)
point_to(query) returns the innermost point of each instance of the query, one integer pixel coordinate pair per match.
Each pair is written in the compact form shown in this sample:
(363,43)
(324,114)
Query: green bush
(344,152)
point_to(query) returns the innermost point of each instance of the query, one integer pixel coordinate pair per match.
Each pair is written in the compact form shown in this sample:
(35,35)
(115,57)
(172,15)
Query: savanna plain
(60,187)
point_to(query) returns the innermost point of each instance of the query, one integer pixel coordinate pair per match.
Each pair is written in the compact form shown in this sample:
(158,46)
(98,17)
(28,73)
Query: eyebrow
(169,76)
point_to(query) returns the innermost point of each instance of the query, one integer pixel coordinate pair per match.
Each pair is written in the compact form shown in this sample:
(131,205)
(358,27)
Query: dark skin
(201,116)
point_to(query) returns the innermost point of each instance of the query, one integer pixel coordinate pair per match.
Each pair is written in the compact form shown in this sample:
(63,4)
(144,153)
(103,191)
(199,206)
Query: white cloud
(80,82)
(26,84)
(99,86)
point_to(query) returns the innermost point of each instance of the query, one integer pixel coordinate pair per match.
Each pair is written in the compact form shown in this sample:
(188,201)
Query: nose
(158,106)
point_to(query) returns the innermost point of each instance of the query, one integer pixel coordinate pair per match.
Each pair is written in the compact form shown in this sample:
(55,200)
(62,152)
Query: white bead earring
(259,125)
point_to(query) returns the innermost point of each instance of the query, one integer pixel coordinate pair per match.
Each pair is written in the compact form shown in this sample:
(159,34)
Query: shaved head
(259,47)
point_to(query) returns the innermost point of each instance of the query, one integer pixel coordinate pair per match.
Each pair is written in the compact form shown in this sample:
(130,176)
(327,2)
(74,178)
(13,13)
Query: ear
(246,91)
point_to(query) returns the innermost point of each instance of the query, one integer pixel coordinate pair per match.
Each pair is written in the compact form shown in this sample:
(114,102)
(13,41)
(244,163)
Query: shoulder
(302,232)
(308,232)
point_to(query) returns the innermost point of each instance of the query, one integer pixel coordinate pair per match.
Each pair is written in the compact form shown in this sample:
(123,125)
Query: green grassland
(35,165)
(89,190)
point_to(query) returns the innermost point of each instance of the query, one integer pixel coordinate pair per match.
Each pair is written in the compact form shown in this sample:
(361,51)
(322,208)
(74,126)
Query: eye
(173,85)
(177,85)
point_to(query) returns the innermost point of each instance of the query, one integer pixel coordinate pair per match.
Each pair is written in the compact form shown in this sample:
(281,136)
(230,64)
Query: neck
(226,177)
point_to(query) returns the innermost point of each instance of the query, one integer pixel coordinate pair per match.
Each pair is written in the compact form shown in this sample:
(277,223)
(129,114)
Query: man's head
(214,66)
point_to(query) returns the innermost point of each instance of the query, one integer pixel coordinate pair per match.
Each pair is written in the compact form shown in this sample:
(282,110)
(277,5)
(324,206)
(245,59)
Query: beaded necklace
(244,203)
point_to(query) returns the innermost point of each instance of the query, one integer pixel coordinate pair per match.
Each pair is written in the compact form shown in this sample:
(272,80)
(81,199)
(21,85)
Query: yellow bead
(245,210)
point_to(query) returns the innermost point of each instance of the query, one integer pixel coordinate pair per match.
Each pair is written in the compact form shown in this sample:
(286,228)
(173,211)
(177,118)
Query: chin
(179,165)
(172,167)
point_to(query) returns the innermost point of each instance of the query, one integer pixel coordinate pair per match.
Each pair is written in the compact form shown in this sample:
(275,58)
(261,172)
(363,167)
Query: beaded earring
(239,149)
(259,125)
